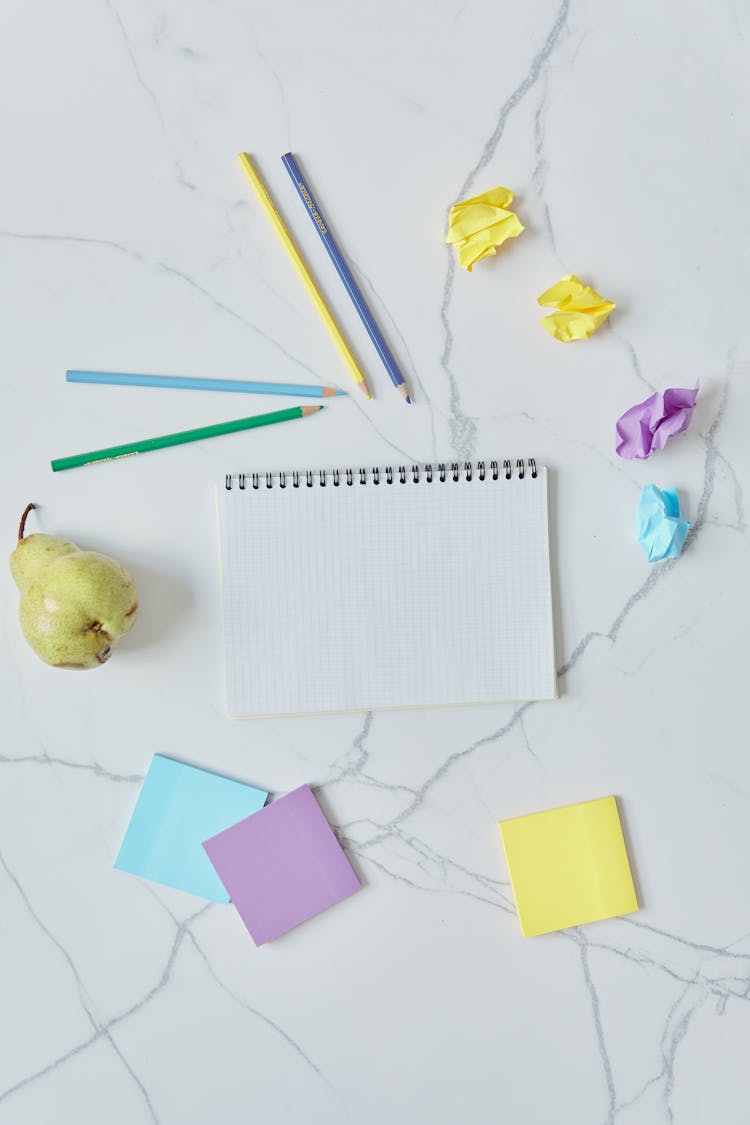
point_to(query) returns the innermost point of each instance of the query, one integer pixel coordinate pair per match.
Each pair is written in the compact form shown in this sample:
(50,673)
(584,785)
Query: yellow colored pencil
(304,274)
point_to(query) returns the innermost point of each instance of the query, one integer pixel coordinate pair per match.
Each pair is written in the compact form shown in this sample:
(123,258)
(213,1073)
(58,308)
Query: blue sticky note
(179,807)
(660,530)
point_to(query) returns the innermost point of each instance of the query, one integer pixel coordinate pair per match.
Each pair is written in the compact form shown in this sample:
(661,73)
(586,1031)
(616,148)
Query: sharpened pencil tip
(364,389)
(404,392)
(329,392)
(310,409)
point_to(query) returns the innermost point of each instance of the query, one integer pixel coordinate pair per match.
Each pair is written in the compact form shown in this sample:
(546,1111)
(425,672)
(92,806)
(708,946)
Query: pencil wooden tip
(310,409)
(364,389)
(329,392)
(404,391)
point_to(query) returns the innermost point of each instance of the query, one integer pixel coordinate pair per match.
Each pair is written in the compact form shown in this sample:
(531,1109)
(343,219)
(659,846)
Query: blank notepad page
(366,595)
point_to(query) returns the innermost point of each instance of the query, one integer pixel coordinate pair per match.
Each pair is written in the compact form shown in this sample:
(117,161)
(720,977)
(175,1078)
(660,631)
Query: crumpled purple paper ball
(650,424)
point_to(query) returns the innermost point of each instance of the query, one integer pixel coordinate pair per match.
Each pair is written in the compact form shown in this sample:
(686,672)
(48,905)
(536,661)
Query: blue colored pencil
(342,269)
(187,382)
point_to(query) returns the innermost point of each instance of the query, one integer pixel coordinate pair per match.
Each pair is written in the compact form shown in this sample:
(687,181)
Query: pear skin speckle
(34,554)
(75,605)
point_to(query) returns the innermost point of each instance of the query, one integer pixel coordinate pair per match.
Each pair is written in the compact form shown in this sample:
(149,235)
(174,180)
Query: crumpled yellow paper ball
(478,225)
(582,309)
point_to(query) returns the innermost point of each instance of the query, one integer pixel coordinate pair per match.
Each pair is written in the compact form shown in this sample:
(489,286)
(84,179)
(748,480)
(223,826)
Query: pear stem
(22,524)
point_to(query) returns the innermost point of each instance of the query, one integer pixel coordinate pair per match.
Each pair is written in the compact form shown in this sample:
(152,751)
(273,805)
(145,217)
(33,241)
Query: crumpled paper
(582,309)
(478,225)
(650,424)
(661,532)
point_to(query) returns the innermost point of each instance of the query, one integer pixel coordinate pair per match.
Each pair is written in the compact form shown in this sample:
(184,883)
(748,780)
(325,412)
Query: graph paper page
(362,596)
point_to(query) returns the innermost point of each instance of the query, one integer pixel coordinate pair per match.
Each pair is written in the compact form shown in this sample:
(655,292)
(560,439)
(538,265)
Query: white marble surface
(128,241)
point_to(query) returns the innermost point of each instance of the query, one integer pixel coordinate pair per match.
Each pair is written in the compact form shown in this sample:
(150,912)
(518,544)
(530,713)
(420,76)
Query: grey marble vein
(675,1029)
(693,974)
(670,1045)
(541,168)
(393,829)
(272,1025)
(738,495)
(44,758)
(661,570)
(527,83)
(720,988)
(700,947)
(265,1019)
(168,270)
(526,741)
(104,1030)
(100,1030)
(399,877)
(359,403)
(356,756)
(275,78)
(417,388)
(432,863)
(148,91)
(683,630)
(599,1029)
(350,767)
(462,429)
(443,769)
(631,354)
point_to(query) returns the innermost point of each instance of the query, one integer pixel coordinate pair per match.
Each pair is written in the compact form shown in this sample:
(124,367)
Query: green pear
(75,605)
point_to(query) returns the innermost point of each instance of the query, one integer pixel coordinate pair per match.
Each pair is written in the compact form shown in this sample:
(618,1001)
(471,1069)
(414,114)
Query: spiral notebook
(356,589)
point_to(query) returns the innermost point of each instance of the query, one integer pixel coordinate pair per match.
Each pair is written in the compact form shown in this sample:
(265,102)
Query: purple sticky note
(650,424)
(282,865)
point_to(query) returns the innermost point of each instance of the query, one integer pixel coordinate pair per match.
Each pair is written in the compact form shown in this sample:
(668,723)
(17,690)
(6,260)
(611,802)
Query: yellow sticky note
(478,225)
(582,309)
(568,866)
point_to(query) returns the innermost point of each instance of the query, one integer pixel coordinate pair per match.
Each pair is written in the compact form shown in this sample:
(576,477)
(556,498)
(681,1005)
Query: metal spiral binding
(440,472)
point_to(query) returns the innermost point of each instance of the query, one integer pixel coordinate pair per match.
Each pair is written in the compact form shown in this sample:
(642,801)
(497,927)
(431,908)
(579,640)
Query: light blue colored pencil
(342,269)
(190,383)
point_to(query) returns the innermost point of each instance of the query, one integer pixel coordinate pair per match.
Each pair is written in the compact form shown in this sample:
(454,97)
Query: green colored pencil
(180,439)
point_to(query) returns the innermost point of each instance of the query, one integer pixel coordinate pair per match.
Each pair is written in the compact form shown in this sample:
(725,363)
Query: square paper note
(178,807)
(282,865)
(568,866)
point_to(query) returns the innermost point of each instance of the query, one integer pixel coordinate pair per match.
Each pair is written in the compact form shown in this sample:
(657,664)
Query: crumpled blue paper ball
(660,530)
